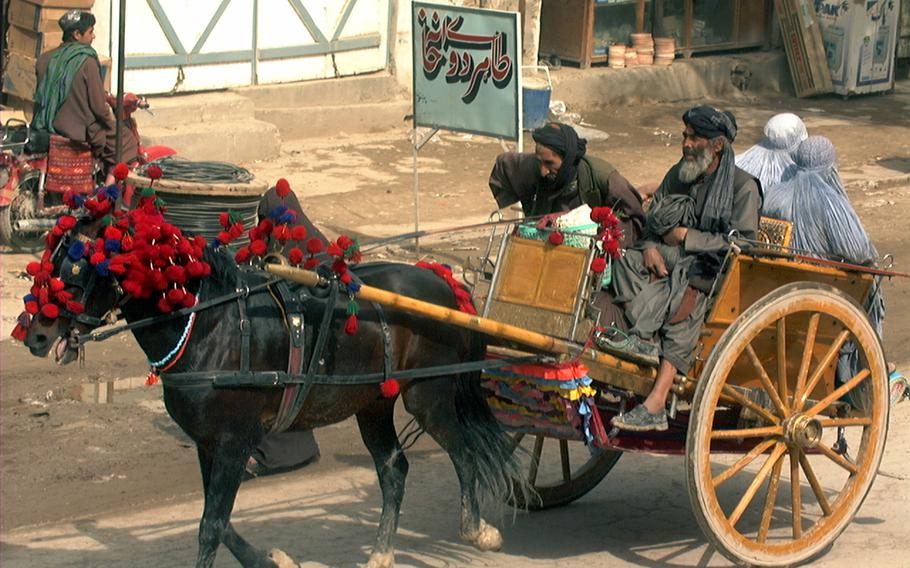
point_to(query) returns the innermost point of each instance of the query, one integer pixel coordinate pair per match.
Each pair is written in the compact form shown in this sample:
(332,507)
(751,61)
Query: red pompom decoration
(346,278)
(50,311)
(339,267)
(56,284)
(175,274)
(236,229)
(295,256)
(258,247)
(189,300)
(164,306)
(555,238)
(19,333)
(66,222)
(282,233)
(350,326)
(311,263)
(242,255)
(314,246)
(298,233)
(175,296)
(224,237)
(47,266)
(63,296)
(344,242)
(75,307)
(127,243)
(334,250)
(612,248)
(389,388)
(282,188)
(598,265)
(112,233)
(33,268)
(195,269)
(121,171)
(32,307)
(224,220)
(154,171)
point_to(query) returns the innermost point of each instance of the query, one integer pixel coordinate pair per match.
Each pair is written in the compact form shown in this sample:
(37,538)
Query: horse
(227,423)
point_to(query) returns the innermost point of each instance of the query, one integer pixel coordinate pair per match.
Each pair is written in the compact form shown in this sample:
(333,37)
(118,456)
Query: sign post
(467,76)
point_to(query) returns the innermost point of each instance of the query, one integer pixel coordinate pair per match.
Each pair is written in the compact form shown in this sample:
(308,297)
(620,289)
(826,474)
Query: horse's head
(87,296)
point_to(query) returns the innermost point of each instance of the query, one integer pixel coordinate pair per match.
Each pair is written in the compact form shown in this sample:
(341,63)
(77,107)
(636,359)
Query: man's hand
(654,262)
(675,237)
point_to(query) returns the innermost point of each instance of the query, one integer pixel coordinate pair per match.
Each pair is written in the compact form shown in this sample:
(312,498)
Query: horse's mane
(225,272)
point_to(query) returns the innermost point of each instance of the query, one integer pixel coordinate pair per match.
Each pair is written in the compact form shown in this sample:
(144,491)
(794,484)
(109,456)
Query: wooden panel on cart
(748,280)
(539,287)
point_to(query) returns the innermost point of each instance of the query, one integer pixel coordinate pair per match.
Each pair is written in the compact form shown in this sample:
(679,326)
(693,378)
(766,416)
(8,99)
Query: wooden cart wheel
(801,328)
(549,465)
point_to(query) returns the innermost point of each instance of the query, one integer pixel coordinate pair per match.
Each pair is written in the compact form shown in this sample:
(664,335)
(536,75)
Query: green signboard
(467,69)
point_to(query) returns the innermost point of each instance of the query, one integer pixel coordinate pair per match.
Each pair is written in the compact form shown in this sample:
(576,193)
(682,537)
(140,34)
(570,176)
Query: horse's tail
(498,475)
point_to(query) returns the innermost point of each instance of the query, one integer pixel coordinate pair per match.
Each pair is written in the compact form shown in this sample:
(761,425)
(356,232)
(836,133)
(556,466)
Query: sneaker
(631,347)
(640,420)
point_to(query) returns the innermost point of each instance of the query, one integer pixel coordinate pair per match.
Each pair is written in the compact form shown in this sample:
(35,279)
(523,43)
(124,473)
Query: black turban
(709,122)
(76,20)
(562,139)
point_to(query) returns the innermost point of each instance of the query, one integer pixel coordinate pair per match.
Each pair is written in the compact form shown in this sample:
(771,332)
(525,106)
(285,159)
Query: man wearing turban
(70,99)
(663,281)
(559,177)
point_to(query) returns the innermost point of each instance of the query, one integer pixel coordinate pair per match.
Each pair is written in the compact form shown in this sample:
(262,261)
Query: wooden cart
(779,455)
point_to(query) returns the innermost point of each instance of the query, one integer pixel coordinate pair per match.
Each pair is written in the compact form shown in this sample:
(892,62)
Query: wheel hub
(803,431)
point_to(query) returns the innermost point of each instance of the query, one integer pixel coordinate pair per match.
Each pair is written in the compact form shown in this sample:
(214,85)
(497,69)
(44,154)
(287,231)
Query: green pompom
(148,192)
(353,307)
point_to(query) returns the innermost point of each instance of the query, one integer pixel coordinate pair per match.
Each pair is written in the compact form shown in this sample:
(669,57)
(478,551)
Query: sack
(39,141)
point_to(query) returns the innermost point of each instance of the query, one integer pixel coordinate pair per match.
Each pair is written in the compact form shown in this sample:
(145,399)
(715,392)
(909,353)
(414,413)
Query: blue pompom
(102,268)
(76,251)
(112,245)
(287,218)
(79,200)
(29,298)
(353,287)
(215,243)
(278,211)
(112,192)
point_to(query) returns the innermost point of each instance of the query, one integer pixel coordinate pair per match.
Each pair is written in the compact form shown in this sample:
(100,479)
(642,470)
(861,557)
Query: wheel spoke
(841,422)
(739,399)
(516,441)
(748,433)
(820,370)
(770,499)
(742,462)
(808,350)
(766,381)
(756,483)
(782,359)
(816,486)
(837,458)
(564,457)
(796,504)
(839,392)
(535,460)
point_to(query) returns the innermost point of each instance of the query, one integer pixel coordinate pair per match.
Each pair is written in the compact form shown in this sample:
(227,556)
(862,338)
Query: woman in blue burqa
(826,225)
(772,158)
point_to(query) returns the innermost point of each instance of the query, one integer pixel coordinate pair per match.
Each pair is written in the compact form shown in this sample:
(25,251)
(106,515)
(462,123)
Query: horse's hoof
(486,538)
(281,559)
(381,560)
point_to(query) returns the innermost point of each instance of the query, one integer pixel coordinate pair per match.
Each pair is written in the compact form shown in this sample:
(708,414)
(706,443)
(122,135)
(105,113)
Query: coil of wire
(198,214)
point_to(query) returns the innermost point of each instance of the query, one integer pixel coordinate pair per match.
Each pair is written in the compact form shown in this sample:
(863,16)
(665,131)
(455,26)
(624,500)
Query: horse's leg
(225,471)
(248,555)
(431,402)
(377,427)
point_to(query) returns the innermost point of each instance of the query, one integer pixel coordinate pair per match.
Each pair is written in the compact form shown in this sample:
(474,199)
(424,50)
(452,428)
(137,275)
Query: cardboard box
(860,40)
(33,15)
(33,44)
(19,79)
(802,40)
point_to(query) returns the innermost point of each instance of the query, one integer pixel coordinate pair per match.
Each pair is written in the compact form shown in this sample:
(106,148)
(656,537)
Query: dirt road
(87,484)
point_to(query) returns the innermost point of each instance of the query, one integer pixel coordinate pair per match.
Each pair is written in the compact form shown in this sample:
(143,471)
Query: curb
(883,183)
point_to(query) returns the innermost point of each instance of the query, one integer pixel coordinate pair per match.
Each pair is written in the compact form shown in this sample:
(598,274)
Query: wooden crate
(19,79)
(33,44)
(802,38)
(42,15)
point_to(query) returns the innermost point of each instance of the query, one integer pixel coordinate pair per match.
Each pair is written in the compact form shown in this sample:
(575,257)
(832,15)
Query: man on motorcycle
(70,98)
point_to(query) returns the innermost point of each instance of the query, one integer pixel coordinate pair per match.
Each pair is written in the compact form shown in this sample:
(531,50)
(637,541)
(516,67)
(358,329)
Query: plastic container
(536,90)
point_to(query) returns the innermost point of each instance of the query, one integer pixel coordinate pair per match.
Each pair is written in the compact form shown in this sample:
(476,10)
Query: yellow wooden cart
(779,454)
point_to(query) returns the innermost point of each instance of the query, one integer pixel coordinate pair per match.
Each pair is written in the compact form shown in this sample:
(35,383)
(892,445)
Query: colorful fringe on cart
(555,400)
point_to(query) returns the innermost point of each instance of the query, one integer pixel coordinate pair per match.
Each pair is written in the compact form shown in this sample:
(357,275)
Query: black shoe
(639,419)
(255,469)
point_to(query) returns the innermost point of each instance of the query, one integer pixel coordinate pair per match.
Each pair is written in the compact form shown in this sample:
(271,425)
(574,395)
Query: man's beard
(691,170)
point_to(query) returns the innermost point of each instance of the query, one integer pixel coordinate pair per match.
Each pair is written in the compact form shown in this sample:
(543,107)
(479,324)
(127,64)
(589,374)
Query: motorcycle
(27,210)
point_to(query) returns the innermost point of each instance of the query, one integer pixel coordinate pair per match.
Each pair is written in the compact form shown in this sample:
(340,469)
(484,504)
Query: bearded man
(663,281)
(559,177)
(70,100)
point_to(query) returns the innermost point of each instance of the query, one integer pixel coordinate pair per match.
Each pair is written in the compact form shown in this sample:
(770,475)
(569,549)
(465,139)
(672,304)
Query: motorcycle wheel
(22,207)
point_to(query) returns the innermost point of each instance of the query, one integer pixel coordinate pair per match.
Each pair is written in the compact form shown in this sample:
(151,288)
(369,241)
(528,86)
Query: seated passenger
(771,160)
(826,225)
(559,177)
(663,281)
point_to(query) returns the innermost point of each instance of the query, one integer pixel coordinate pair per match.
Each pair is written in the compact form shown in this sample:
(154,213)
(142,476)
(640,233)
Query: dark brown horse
(227,423)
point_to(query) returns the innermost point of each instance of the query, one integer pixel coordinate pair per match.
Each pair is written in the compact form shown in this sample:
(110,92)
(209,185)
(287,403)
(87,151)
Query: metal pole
(254,64)
(121,55)
(416,195)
